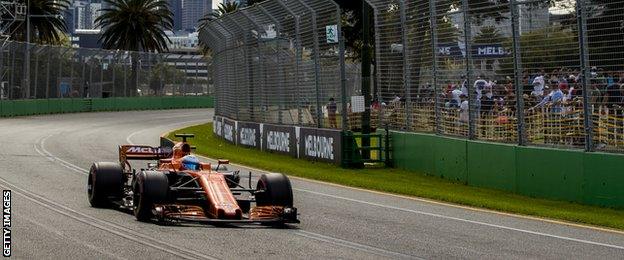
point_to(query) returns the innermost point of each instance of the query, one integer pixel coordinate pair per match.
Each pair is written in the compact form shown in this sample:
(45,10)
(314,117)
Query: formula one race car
(180,187)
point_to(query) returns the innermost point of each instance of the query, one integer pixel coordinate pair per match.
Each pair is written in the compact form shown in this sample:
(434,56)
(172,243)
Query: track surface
(43,161)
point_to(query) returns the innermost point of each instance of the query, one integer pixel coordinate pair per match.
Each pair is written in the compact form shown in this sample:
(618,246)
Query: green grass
(404,183)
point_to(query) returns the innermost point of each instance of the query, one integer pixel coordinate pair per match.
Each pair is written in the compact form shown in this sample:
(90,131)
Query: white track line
(327,239)
(105,225)
(464,220)
(451,218)
(352,245)
(175,124)
(70,165)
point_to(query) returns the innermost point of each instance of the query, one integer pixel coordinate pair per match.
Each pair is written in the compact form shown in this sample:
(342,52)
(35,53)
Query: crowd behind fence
(65,72)
(539,72)
(543,72)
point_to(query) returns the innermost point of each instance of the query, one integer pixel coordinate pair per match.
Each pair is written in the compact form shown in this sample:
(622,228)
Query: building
(92,12)
(86,38)
(241,3)
(175,6)
(192,11)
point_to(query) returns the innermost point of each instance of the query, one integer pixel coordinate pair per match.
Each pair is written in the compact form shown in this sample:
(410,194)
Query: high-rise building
(192,11)
(92,12)
(241,3)
(175,6)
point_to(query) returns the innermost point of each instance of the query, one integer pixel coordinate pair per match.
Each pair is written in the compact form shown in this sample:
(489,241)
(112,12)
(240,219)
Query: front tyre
(105,183)
(150,188)
(274,189)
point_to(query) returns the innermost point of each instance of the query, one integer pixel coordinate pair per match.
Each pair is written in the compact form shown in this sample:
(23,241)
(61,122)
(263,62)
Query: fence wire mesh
(64,72)
(280,62)
(541,72)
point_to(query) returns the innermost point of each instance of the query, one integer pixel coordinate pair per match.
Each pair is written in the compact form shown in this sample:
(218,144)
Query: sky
(215,3)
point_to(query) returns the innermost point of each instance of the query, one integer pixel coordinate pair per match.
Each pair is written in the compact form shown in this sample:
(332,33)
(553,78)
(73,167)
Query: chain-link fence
(281,62)
(63,72)
(542,72)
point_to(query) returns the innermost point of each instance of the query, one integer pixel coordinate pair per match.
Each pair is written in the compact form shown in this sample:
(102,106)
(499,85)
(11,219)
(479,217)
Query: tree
(253,2)
(223,9)
(488,35)
(135,25)
(548,48)
(228,7)
(605,34)
(49,29)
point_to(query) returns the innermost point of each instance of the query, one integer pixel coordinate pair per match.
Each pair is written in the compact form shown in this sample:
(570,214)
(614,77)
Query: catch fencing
(280,62)
(538,73)
(541,72)
(63,72)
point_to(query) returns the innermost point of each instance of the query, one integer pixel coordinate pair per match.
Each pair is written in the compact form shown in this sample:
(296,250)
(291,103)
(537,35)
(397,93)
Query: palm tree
(135,25)
(223,9)
(47,27)
(228,7)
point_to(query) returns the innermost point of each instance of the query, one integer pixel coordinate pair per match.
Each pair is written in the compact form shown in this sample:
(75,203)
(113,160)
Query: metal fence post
(581,11)
(36,73)
(47,89)
(101,66)
(59,78)
(298,50)
(113,68)
(406,69)
(71,73)
(12,77)
(433,27)
(469,77)
(517,58)
(125,76)
(277,33)
(343,73)
(317,64)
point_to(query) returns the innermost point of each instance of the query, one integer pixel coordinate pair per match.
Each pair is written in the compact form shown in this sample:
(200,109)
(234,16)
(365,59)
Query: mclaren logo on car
(138,149)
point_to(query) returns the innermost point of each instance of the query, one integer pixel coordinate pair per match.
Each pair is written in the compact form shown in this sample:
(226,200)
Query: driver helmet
(190,162)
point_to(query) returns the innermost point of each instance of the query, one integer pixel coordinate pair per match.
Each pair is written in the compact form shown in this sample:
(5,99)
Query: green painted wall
(570,175)
(11,108)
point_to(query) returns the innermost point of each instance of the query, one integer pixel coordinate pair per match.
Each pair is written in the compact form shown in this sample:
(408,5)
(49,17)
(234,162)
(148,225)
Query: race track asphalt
(43,160)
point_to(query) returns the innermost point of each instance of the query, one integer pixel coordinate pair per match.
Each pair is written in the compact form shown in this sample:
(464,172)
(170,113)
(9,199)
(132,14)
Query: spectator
(538,87)
(479,86)
(614,96)
(555,97)
(595,93)
(331,113)
(464,116)
(487,103)
(455,97)
(464,86)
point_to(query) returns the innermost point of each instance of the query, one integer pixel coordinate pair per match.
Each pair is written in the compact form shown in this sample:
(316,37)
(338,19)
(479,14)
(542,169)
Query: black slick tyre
(275,190)
(150,188)
(104,184)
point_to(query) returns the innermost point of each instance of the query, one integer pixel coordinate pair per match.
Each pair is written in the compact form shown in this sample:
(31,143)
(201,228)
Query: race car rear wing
(143,152)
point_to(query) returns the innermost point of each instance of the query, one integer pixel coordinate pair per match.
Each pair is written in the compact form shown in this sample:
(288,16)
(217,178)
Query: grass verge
(404,183)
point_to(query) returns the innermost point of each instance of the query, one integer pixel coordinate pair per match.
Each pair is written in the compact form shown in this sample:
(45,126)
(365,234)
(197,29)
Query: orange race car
(180,187)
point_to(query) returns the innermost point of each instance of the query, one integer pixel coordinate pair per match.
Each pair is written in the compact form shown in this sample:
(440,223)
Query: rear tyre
(277,191)
(150,188)
(105,183)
